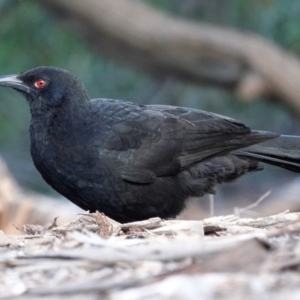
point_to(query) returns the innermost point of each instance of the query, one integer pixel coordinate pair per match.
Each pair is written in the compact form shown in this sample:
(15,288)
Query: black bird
(132,161)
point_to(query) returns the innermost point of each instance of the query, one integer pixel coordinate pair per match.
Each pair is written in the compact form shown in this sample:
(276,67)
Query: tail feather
(283,151)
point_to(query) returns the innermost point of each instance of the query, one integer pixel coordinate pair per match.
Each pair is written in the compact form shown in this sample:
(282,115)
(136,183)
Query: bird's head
(46,87)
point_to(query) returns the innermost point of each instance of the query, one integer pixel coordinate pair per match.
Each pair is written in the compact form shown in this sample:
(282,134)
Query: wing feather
(157,140)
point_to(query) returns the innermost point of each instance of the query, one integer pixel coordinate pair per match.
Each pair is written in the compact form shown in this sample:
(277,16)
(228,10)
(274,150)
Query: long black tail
(283,151)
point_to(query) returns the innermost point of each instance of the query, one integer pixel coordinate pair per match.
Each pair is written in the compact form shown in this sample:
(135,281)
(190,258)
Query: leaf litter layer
(225,257)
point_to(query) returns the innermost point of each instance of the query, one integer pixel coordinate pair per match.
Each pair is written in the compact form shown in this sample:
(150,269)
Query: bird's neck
(65,126)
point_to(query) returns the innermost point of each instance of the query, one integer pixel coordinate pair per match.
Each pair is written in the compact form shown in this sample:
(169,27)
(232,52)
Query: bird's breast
(53,157)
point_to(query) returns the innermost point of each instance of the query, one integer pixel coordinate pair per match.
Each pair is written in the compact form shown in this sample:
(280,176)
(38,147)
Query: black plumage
(133,161)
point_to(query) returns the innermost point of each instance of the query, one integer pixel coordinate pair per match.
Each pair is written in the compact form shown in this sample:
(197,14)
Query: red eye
(40,83)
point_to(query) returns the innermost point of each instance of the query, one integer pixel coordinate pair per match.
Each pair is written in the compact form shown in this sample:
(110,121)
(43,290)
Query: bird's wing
(155,140)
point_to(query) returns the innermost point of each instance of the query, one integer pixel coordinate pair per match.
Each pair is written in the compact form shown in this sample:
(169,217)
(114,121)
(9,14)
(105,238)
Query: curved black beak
(14,82)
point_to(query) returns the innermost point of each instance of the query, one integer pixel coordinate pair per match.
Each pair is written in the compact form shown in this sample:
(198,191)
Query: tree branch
(133,33)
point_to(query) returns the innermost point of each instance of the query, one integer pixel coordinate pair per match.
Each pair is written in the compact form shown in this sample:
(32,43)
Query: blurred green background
(30,37)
